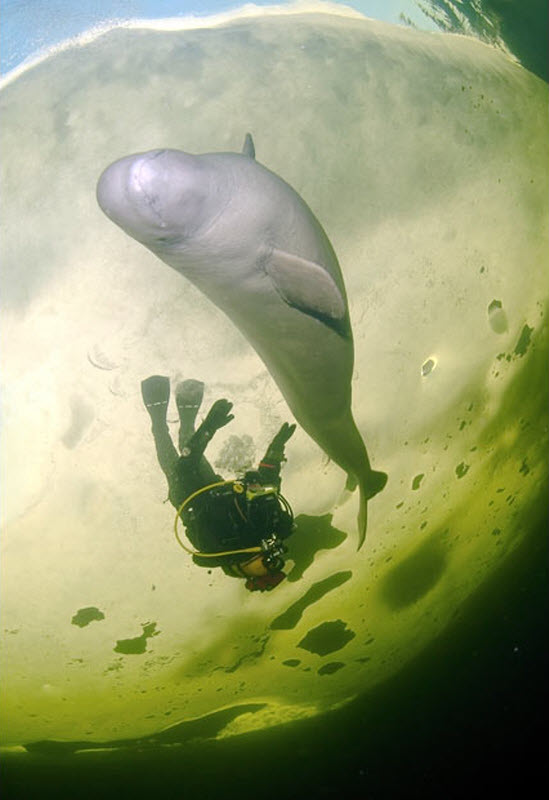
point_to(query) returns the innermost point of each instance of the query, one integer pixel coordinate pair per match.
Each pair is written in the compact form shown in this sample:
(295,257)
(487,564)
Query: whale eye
(169,240)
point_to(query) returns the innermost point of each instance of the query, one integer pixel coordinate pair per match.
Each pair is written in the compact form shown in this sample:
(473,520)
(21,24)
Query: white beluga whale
(250,243)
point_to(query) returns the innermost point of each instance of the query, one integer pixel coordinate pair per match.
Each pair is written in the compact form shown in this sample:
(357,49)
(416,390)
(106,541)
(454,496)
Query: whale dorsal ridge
(305,285)
(248,148)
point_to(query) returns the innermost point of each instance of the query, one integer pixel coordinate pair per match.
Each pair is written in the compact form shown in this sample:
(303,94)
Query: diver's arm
(269,466)
(218,416)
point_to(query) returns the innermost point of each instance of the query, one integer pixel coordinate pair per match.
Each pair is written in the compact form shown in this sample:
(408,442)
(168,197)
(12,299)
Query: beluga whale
(252,245)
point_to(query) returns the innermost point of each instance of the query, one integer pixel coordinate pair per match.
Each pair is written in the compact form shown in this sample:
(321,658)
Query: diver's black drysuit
(219,519)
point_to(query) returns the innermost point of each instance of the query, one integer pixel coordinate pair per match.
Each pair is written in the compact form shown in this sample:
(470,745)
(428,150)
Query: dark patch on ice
(137,645)
(427,367)
(524,341)
(311,535)
(81,418)
(327,638)
(413,578)
(416,482)
(86,615)
(524,468)
(247,656)
(207,727)
(116,666)
(244,640)
(462,469)
(329,669)
(289,618)
(291,662)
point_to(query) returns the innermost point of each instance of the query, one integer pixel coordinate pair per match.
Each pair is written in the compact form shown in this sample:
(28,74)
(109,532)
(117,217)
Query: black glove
(276,448)
(218,416)
(286,432)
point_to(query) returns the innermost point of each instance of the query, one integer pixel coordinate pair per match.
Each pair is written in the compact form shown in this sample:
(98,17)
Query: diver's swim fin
(188,396)
(155,391)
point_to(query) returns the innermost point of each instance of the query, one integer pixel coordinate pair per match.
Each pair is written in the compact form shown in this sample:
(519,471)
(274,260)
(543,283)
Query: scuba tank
(250,513)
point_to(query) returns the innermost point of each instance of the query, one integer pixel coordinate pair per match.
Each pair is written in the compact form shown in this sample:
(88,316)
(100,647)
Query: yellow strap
(197,552)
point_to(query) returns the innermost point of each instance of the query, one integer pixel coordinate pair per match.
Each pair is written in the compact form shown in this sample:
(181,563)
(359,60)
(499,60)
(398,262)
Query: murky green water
(425,158)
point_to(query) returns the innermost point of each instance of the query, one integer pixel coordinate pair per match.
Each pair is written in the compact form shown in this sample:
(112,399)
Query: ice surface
(424,156)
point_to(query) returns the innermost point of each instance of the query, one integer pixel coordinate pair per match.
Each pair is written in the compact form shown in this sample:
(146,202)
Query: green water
(465,716)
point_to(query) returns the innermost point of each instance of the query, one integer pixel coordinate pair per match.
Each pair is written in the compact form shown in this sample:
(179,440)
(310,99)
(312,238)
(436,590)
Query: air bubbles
(428,366)
(497,317)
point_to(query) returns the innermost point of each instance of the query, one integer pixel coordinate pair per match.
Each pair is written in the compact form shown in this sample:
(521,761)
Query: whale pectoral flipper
(248,148)
(305,285)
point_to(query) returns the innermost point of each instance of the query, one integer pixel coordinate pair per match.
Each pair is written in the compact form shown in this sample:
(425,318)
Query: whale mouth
(143,185)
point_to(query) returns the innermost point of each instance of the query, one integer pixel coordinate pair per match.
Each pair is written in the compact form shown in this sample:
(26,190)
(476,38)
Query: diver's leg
(186,479)
(156,394)
(188,398)
(192,472)
(206,472)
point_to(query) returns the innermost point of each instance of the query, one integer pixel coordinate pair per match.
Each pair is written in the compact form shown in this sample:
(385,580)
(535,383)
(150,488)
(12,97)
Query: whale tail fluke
(373,483)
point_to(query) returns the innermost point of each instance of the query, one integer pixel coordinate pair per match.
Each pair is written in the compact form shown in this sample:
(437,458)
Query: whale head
(159,197)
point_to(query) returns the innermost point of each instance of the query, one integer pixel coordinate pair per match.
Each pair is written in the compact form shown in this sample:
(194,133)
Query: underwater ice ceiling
(424,156)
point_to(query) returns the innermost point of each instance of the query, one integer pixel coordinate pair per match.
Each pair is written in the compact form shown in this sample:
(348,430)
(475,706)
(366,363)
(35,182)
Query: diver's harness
(271,546)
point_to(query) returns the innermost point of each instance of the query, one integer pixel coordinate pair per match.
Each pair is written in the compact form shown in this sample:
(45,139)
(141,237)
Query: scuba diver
(238,525)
